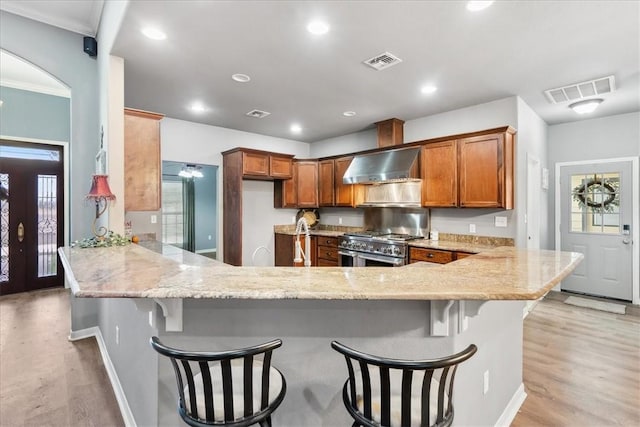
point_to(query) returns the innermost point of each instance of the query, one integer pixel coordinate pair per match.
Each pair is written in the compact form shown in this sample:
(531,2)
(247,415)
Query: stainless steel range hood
(384,166)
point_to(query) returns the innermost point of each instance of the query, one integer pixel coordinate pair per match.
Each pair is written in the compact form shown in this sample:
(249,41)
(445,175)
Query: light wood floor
(46,380)
(581,367)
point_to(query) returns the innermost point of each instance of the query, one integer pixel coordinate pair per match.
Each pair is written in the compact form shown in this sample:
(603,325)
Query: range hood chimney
(382,167)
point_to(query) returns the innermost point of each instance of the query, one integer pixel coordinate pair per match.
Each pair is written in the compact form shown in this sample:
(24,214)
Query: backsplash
(477,240)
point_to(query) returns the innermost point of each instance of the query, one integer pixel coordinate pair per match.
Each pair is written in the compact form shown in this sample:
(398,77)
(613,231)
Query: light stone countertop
(133,271)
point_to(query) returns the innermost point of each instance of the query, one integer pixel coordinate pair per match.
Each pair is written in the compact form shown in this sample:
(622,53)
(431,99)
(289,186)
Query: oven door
(373,260)
(349,259)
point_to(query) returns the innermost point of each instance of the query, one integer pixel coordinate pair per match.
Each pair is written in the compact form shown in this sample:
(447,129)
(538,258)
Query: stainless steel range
(374,248)
(385,243)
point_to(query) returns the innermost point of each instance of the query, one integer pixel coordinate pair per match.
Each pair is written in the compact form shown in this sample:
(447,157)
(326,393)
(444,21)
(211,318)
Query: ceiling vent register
(383,61)
(581,90)
(258,114)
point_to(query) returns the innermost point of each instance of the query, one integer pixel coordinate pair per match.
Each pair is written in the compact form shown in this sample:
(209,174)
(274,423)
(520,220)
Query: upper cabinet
(263,165)
(439,164)
(142,164)
(471,172)
(301,191)
(332,190)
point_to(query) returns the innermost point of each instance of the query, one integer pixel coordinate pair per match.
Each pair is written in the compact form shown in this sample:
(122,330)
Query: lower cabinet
(327,254)
(285,250)
(437,256)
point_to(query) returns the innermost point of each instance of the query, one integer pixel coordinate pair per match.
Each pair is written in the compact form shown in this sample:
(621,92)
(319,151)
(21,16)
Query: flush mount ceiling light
(191,171)
(241,78)
(586,106)
(295,128)
(318,28)
(428,90)
(154,33)
(349,113)
(198,107)
(476,5)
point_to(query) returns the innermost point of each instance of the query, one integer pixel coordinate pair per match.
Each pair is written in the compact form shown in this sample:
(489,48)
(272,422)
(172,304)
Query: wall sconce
(101,194)
(191,171)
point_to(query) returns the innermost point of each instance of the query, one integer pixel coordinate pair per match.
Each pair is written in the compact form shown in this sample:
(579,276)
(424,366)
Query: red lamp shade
(100,188)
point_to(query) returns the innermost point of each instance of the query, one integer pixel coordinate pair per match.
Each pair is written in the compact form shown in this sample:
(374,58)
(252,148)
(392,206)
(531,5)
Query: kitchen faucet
(303,224)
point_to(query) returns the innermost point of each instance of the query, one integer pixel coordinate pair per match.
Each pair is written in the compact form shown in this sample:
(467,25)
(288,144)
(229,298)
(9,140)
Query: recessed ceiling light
(296,128)
(476,5)
(242,78)
(586,106)
(154,33)
(198,107)
(318,28)
(349,113)
(429,89)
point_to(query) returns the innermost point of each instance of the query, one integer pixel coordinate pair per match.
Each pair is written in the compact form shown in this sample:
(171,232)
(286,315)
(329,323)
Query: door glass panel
(595,203)
(4,227)
(47,225)
(29,153)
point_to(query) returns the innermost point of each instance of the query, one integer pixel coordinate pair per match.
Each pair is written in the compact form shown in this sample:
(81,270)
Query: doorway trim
(67,182)
(635,214)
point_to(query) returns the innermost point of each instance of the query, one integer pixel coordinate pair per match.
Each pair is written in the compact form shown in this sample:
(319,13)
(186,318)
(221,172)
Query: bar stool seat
(399,393)
(229,388)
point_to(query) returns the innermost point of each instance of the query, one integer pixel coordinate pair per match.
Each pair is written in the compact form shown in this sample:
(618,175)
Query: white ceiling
(512,48)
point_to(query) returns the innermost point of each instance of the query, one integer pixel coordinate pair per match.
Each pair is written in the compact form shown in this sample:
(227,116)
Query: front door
(596,220)
(31,220)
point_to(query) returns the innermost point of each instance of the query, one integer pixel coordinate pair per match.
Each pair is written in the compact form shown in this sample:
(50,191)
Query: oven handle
(349,253)
(394,261)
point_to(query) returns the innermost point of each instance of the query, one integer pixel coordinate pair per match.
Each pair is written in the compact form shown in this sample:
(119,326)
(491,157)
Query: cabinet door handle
(429,255)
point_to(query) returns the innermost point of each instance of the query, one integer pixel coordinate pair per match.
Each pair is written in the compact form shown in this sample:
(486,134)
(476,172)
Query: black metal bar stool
(228,388)
(400,393)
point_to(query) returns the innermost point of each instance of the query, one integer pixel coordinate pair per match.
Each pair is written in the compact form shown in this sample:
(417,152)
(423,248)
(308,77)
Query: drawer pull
(429,255)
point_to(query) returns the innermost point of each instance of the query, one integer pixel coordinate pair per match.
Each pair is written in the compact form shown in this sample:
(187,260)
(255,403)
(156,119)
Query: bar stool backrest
(400,393)
(226,388)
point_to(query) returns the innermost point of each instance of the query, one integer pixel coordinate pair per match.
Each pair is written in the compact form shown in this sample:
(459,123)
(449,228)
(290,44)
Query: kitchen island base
(313,371)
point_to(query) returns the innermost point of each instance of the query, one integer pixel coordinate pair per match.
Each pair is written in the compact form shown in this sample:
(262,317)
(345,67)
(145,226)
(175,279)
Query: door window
(4,227)
(595,203)
(47,225)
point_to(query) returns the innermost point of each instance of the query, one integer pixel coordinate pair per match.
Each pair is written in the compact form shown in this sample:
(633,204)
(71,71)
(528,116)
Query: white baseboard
(512,408)
(125,410)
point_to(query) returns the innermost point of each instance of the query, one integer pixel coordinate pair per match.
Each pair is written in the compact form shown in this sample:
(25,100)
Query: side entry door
(31,218)
(596,220)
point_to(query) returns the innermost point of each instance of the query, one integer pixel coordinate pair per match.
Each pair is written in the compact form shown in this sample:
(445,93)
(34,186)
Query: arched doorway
(35,131)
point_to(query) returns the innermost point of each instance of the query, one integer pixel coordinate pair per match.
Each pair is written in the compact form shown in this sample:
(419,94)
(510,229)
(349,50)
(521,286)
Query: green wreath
(583,193)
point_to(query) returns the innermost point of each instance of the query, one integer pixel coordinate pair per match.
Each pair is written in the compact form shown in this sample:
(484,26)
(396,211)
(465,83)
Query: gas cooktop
(383,235)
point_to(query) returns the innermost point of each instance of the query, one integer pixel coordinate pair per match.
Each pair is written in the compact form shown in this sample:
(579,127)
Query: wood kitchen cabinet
(239,164)
(439,164)
(285,250)
(326,184)
(142,165)
(474,171)
(327,251)
(301,191)
(430,255)
(332,191)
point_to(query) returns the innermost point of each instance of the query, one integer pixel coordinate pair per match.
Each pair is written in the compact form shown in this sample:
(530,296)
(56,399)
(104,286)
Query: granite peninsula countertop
(134,271)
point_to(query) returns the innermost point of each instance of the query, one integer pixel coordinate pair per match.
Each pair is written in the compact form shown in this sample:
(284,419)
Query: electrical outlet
(151,318)
(117,335)
(209,237)
(154,219)
(501,221)
(293,219)
(340,221)
(472,228)
(485,387)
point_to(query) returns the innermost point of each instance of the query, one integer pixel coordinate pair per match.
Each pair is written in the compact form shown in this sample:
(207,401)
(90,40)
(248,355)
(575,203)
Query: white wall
(531,140)
(594,139)
(191,142)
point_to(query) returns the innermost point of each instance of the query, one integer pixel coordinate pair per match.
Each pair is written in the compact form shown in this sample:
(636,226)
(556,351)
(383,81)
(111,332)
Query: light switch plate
(501,221)
(154,219)
(472,228)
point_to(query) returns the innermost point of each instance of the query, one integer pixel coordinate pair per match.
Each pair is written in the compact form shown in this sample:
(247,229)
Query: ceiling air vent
(258,114)
(582,90)
(382,61)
